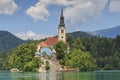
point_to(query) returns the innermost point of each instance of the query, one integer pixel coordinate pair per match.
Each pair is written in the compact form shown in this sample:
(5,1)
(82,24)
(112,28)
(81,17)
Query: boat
(15,70)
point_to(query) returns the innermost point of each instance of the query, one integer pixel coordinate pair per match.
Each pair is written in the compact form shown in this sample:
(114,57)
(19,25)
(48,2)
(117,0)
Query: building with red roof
(50,41)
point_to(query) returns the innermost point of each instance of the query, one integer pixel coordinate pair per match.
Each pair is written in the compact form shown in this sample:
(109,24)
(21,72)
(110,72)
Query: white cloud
(38,12)
(30,35)
(7,7)
(75,11)
(115,6)
(58,2)
(84,10)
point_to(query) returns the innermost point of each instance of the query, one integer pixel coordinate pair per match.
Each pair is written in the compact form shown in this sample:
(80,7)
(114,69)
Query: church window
(62,31)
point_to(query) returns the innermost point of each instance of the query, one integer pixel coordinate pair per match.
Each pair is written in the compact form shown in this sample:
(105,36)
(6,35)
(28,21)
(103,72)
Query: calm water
(98,75)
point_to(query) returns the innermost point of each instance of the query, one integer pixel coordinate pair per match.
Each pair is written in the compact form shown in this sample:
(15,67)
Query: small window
(62,31)
(62,37)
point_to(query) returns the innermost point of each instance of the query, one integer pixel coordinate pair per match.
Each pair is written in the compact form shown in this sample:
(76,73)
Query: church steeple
(61,12)
(61,19)
(62,28)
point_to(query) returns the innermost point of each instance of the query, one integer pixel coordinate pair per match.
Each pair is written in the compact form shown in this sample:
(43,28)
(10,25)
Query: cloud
(7,7)
(76,11)
(38,12)
(84,10)
(30,35)
(58,2)
(115,6)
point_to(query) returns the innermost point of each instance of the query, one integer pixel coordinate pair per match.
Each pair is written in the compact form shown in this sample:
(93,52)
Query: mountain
(78,34)
(8,41)
(109,33)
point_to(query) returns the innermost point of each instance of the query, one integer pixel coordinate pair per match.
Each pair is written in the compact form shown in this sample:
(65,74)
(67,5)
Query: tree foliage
(23,58)
(77,45)
(47,66)
(61,48)
(105,51)
(78,57)
(80,60)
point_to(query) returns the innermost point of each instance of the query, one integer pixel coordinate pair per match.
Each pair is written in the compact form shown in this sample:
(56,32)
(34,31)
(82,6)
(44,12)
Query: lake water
(97,75)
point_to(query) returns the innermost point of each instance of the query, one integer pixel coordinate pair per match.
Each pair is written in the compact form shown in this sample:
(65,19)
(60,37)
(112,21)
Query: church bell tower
(62,28)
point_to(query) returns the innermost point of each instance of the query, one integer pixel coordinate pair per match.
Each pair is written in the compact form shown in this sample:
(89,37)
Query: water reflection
(61,76)
(49,76)
(107,75)
(67,76)
(78,76)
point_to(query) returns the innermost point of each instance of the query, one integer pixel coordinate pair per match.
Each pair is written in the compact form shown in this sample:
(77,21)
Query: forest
(105,51)
(85,54)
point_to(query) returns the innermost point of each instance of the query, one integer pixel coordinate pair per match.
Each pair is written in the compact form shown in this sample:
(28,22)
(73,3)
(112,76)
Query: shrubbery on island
(23,57)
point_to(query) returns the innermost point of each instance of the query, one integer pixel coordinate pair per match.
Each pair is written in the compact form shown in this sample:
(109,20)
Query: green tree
(77,45)
(47,66)
(23,57)
(70,39)
(80,60)
(61,48)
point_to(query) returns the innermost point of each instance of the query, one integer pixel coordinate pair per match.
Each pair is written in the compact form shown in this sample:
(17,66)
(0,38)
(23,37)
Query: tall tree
(61,48)
(77,45)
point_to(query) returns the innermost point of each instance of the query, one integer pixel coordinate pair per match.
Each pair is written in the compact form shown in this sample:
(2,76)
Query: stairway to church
(54,66)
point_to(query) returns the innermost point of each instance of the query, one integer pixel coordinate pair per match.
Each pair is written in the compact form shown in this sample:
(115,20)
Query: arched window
(62,30)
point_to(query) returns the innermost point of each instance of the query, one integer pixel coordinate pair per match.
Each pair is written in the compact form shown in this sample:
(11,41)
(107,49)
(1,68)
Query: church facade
(46,46)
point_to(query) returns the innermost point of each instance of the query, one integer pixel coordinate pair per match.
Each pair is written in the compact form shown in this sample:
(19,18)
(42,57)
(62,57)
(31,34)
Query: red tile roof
(51,41)
(42,44)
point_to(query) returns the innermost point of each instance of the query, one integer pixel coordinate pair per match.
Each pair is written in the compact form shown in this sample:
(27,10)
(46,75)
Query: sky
(40,18)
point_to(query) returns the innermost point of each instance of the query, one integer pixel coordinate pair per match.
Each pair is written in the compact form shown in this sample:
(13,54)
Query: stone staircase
(54,66)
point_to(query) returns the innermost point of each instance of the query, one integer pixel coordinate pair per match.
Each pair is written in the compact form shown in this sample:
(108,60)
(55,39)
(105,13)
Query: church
(46,46)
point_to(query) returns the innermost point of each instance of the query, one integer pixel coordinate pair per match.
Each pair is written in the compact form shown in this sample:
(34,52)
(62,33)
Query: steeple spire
(62,12)
(61,19)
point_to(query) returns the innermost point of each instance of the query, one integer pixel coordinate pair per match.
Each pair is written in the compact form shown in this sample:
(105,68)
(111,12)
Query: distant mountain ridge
(78,34)
(109,33)
(8,41)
